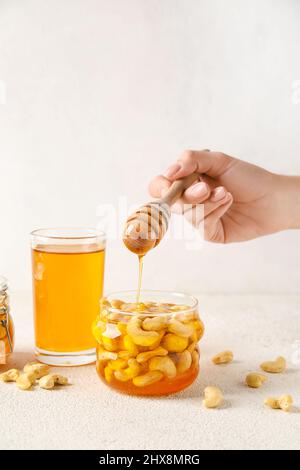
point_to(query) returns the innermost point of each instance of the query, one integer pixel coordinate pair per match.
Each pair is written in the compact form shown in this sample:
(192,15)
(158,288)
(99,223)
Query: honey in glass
(68,269)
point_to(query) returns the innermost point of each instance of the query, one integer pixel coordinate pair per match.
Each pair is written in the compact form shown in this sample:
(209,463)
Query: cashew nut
(192,346)
(157,342)
(223,357)
(39,369)
(116,303)
(111,344)
(26,380)
(180,329)
(122,327)
(130,372)
(125,355)
(145,356)
(154,323)
(195,358)
(186,317)
(108,374)
(10,375)
(60,379)
(255,380)
(274,367)
(199,325)
(174,343)
(163,364)
(184,361)
(212,397)
(104,303)
(147,379)
(284,403)
(117,364)
(140,336)
(130,345)
(48,381)
(107,355)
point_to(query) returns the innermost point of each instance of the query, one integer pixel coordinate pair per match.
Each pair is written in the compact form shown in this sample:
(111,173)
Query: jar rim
(192,305)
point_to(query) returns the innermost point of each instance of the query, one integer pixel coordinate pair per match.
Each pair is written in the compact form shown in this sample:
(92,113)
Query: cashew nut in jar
(148,379)
(155,323)
(164,365)
(117,364)
(184,361)
(106,355)
(145,356)
(148,342)
(140,336)
(180,329)
(174,343)
(129,373)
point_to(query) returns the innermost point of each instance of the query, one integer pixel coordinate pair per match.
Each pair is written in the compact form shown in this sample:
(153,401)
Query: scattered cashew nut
(26,380)
(274,367)
(10,375)
(223,357)
(37,368)
(212,397)
(255,380)
(48,381)
(283,403)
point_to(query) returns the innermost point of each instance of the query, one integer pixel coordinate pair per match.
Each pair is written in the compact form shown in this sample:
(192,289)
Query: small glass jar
(149,347)
(6,324)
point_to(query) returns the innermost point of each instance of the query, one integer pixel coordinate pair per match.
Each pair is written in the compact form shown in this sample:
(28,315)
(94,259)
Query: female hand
(241,201)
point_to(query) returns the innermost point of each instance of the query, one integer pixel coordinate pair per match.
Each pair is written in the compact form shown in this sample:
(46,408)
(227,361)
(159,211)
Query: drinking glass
(67,273)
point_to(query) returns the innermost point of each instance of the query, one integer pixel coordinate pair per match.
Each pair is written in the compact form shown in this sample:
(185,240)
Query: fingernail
(198,190)
(172,170)
(218,194)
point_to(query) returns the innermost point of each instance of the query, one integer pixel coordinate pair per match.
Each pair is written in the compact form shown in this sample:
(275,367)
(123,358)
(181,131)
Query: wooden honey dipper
(145,228)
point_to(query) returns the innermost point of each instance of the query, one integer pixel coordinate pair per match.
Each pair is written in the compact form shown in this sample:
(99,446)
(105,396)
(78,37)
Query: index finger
(201,161)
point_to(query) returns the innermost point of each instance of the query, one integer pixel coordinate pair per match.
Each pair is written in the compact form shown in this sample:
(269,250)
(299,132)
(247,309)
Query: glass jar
(6,324)
(150,347)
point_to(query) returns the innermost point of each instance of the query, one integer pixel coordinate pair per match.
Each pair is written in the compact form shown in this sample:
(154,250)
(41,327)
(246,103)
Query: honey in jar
(6,324)
(149,347)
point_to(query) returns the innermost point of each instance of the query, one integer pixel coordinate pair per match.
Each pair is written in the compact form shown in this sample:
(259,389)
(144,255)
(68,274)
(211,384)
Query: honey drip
(141,262)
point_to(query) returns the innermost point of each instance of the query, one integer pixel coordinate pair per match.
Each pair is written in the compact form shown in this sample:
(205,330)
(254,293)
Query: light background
(98,96)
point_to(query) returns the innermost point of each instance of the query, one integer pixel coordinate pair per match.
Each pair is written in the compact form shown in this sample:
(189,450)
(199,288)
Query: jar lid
(3,283)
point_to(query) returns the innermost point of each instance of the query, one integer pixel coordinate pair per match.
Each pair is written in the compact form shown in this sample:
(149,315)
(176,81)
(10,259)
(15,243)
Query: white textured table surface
(88,415)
